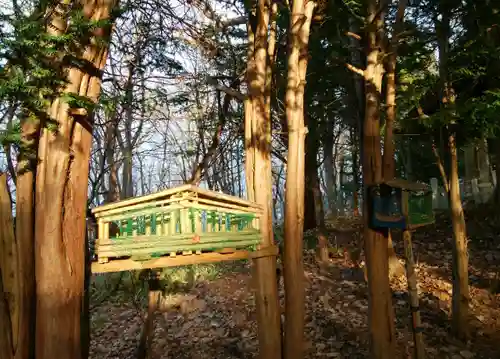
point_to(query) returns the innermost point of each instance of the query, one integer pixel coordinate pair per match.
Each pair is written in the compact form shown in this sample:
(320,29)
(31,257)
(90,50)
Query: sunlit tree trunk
(299,29)
(357,98)
(380,309)
(460,297)
(259,177)
(249,112)
(60,205)
(389,172)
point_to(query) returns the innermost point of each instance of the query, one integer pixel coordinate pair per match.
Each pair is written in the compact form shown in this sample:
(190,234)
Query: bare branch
(355,69)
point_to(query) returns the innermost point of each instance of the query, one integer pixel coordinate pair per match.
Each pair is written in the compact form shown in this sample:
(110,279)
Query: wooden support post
(154,295)
(267,302)
(412,284)
(413,296)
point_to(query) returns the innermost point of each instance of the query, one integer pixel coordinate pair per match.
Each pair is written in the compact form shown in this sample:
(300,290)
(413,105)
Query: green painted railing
(156,231)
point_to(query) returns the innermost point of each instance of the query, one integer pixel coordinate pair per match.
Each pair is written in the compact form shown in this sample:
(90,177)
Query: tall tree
(299,28)
(460,297)
(389,170)
(52,178)
(259,175)
(380,310)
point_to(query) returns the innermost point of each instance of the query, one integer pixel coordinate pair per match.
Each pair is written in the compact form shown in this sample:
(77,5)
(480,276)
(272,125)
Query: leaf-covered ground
(216,319)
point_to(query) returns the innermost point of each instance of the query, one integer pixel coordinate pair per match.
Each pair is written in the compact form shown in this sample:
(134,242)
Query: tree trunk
(483,161)
(380,310)
(127,184)
(496,148)
(460,298)
(10,280)
(328,143)
(249,111)
(310,219)
(24,234)
(319,212)
(395,267)
(355,170)
(299,29)
(309,215)
(358,96)
(5,327)
(313,187)
(259,182)
(60,207)
(113,193)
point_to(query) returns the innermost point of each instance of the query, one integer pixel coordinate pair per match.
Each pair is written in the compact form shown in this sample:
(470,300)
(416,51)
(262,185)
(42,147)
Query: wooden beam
(119,265)
(142,199)
(225,197)
(164,197)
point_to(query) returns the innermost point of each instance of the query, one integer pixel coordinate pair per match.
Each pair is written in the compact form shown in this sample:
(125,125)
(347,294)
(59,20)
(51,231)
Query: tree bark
(309,205)
(395,267)
(483,160)
(355,169)
(259,180)
(460,297)
(328,143)
(10,281)
(24,233)
(60,206)
(496,147)
(380,309)
(113,193)
(299,29)
(249,110)
(313,187)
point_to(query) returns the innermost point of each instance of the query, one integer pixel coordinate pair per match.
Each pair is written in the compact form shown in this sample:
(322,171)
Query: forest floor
(217,319)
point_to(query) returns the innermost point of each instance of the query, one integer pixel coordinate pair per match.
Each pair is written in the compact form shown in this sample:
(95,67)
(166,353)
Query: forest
(249,179)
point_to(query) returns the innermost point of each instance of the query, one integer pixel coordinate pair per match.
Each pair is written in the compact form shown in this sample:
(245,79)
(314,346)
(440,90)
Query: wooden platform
(179,226)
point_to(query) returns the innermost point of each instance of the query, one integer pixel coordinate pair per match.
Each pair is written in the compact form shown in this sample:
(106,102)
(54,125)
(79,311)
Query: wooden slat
(215,204)
(119,265)
(225,197)
(125,214)
(173,191)
(142,199)
(179,239)
(122,213)
(123,251)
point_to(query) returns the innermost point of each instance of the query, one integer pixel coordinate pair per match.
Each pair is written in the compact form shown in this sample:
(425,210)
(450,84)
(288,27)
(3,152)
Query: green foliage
(34,63)
(75,100)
